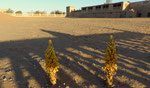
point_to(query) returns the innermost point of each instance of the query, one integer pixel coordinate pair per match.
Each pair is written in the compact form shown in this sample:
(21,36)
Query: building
(139,9)
(113,10)
(3,10)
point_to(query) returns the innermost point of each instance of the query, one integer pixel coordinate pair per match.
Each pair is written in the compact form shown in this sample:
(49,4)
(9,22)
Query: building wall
(141,9)
(69,11)
(114,10)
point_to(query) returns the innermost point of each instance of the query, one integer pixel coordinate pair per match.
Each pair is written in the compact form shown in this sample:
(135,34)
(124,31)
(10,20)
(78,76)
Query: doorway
(139,14)
(148,14)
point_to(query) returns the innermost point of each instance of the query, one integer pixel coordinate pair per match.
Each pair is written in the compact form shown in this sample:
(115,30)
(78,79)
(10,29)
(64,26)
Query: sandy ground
(80,45)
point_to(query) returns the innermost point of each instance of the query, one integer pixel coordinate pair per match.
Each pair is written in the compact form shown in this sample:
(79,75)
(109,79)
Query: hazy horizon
(49,5)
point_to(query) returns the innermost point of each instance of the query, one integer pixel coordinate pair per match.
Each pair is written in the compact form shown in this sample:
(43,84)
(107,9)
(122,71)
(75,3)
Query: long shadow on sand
(81,59)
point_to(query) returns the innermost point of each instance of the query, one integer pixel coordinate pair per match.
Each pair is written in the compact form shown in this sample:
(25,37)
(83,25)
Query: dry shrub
(110,67)
(51,61)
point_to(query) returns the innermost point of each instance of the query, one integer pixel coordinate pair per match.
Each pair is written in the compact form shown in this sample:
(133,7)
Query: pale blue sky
(49,5)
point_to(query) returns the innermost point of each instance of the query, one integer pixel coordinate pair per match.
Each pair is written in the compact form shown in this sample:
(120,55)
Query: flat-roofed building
(113,10)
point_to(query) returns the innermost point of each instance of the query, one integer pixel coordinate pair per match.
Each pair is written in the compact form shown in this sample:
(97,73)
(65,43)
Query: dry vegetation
(80,44)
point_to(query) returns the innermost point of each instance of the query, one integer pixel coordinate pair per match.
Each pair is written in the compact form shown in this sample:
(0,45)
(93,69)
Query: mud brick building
(112,10)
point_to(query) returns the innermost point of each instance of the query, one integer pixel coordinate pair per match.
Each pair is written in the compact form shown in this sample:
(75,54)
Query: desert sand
(80,44)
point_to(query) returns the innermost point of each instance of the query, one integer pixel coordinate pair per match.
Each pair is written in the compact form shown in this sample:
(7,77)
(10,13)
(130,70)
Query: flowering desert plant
(51,61)
(110,67)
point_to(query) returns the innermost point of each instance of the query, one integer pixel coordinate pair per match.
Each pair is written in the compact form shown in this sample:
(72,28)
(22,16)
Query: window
(83,9)
(117,5)
(106,6)
(98,7)
(139,14)
(90,8)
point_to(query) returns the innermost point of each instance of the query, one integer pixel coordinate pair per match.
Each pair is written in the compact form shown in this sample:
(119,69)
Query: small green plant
(51,61)
(110,67)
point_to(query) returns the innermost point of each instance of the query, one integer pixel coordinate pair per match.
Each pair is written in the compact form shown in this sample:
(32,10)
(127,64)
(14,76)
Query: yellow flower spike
(110,67)
(51,61)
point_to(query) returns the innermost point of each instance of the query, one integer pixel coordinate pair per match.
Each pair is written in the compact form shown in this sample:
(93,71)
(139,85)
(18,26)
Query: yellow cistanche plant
(52,63)
(110,67)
